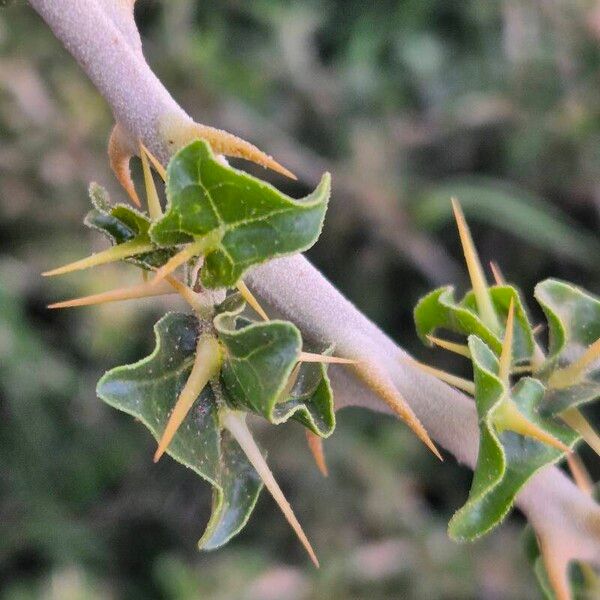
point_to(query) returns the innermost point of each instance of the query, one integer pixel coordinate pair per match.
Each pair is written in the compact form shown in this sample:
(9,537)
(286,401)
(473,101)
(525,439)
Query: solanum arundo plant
(224,358)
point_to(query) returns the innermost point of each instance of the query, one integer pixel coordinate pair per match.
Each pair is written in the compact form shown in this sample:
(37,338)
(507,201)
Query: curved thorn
(178,133)
(315,444)
(119,156)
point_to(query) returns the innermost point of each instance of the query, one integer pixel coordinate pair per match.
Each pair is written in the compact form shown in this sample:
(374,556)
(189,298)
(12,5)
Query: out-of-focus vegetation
(407,103)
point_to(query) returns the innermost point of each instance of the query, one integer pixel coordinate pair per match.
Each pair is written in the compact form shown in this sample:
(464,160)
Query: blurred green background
(407,103)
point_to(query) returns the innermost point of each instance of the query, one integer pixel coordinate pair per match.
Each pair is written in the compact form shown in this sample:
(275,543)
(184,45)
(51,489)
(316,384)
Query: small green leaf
(506,460)
(121,223)
(439,310)
(574,324)
(249,220)
(148,391)
(259,361)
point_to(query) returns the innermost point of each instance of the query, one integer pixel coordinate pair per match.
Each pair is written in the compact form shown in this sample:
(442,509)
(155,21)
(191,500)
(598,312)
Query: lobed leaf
(259,361)
(506,460)
(439,310)
(574,324)
(121,223)
(244,221)
(148,391)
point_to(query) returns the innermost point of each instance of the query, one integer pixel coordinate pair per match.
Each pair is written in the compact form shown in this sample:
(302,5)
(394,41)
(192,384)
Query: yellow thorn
(325,358)
(119,156)
(461,349)
(155,163)
(315,444)
(178,133)
(557,569)
(573,373)
(574,419)
(143,290)
(458,382)
(478,281)
(580,475)
(186,293)
(507,346)
(508,417)
(154,209)
(236,425)
(191,250)
(497,273)
(112,254)
(206,365)
(291,382)
(378,381)
(250,298)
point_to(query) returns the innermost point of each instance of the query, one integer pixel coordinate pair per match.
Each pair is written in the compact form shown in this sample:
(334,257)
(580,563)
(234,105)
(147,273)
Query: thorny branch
(102,36)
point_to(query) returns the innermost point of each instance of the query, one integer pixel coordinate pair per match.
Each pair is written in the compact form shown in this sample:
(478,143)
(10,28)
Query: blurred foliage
(401,101)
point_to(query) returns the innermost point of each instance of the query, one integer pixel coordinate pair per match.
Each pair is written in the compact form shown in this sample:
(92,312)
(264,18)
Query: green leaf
(506,460)
(148,391)
(439,310)
(259,361)
(242,220)
(121,223)
(574,324)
